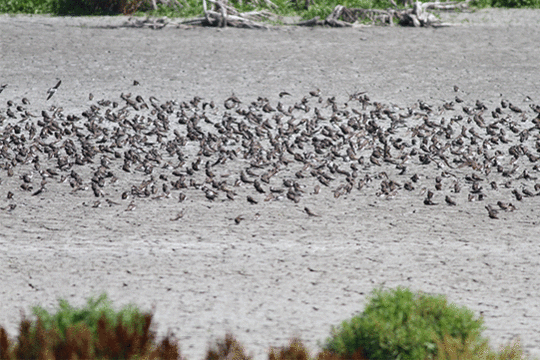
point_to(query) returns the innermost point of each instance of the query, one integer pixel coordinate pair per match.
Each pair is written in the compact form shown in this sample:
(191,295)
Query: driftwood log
(416,16)
(221,14)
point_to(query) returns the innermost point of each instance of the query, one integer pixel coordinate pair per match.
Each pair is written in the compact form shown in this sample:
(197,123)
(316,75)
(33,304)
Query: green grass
(27,6)
(190,8)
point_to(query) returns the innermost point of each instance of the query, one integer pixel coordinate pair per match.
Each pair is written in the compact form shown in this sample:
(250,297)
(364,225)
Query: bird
(492,212)
(258,187)
(131,206)
(449,200)
(238,219)
(53,90)
(428,200)
(2,87)
(179,215)
(310,213)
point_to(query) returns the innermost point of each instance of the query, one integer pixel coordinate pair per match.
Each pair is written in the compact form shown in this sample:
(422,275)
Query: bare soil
(279,273)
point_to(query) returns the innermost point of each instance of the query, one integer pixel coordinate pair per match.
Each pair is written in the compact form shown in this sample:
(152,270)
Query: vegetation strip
(307,9)
(396,324)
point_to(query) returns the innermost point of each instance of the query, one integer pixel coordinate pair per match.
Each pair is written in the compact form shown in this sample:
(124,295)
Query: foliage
(399,324)
(93,332)
(67,315)
(295,351)
(450,348)
(396,324)
(27,6)
(190,8)
(226,349)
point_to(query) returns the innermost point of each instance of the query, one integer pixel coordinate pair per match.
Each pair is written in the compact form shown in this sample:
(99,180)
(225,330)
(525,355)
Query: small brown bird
(527,192)
(506,206)
(53,90)
(181,197)
(408,186)
(244,178)
(131,206)
(258,187)
(492,212)
(111,203)
(428,200)
(476,188)
(179,215)
(449,201)
(291,195)
(238,219)
(211,195)
(310,213)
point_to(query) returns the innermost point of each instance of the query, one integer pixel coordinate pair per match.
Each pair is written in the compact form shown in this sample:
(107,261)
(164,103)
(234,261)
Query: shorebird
(52,90)
(310,213)
(492,212)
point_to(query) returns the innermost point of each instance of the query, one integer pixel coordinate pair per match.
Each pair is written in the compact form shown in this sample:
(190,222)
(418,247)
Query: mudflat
(214,262)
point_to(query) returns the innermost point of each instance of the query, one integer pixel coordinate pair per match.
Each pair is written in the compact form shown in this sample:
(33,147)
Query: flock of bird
(255,151)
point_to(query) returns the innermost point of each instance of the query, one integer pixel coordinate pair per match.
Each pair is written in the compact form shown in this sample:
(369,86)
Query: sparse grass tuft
(226,349)
(449,348)
(295,351)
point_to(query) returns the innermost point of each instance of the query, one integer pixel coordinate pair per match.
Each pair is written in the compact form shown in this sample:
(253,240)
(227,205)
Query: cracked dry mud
(148,200)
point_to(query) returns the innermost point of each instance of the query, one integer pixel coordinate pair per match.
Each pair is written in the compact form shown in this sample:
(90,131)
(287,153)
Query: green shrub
(398,324)
(27,6)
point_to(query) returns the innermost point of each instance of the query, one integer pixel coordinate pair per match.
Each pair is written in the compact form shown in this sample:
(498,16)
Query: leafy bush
(398,324)
(27,6)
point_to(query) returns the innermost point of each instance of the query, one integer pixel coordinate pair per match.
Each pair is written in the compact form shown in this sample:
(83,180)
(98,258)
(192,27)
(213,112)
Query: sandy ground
(279,273)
